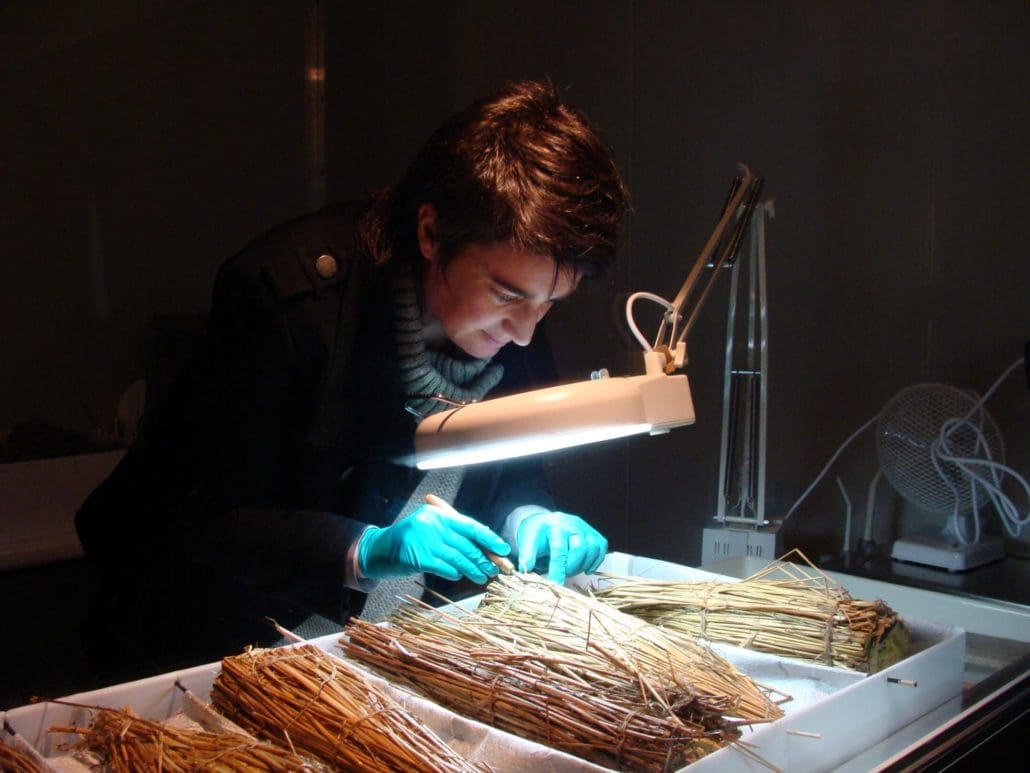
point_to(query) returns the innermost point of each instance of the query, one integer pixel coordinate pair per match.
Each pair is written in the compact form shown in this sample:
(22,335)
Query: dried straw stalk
(18,761)
(784,610)
(128,743)
(552,665)
(312,702)
(539,610)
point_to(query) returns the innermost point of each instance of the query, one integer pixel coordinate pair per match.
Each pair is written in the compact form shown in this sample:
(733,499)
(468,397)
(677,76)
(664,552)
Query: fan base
(944,554)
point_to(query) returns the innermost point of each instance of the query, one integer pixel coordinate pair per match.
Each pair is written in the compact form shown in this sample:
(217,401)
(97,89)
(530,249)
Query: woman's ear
(428,242)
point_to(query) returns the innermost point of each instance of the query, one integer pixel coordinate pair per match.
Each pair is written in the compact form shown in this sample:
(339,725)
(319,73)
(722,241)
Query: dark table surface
(1006,580)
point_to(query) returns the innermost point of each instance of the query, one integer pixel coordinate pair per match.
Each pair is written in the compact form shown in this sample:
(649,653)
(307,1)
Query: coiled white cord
(985,473)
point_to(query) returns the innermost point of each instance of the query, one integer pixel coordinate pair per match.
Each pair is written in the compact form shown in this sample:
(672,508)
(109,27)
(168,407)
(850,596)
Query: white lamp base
(939,551)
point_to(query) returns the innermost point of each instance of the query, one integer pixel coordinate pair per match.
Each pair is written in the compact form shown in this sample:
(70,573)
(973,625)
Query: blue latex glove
(430,540)
(570,544)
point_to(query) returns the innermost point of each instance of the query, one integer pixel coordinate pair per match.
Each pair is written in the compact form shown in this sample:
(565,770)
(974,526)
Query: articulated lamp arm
(669,348)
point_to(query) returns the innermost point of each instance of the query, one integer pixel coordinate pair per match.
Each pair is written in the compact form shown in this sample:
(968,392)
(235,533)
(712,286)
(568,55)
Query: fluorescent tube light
(553,418)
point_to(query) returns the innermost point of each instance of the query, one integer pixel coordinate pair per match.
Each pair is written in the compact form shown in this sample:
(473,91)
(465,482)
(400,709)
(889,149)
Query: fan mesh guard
(908,427)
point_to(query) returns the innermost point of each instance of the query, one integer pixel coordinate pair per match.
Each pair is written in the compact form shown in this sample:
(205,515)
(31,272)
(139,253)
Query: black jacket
(281,442)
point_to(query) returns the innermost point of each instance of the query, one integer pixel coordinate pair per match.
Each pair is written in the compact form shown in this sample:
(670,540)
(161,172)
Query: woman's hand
(430,540)
(570,545)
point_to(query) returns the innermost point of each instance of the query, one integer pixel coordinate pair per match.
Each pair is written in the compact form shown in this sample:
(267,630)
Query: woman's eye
(507,298)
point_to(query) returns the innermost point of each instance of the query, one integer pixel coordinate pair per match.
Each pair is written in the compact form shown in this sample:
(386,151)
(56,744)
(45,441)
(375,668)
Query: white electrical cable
(829,464)
(847,514)
(870,505)
(632,323)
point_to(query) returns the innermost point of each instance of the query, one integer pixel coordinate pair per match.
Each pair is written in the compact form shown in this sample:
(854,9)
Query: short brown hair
(518,166)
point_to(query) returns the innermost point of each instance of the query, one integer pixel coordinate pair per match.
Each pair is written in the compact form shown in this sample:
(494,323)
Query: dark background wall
(141,144)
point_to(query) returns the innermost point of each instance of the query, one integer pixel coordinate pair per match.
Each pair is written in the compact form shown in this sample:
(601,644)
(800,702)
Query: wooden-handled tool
(502,563)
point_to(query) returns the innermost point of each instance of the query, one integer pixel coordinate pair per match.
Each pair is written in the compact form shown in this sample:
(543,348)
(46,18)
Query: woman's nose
(521,324)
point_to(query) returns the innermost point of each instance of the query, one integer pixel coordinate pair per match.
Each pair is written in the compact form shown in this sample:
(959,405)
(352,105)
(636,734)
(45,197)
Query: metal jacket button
(326,266)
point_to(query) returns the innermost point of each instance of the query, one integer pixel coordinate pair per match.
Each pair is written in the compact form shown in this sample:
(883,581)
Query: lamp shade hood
(553,418)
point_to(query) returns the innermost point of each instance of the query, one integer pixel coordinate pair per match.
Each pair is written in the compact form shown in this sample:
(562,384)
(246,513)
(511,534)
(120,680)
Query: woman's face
(488,295)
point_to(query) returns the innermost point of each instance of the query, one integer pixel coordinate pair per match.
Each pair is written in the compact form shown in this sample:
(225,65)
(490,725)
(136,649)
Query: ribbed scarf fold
(426,373)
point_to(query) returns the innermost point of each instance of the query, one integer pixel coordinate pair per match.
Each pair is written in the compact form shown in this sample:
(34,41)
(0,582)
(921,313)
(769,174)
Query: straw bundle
(126,742)
(784,610)
(17,761)
(312,702)
(554,666)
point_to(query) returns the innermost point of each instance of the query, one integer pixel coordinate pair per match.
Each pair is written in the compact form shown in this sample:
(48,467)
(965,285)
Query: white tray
(835,714)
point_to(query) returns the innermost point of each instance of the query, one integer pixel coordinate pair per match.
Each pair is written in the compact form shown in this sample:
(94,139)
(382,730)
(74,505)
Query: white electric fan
(944,453)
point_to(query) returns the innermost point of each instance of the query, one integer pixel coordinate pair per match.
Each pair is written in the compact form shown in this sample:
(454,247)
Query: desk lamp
(603,407)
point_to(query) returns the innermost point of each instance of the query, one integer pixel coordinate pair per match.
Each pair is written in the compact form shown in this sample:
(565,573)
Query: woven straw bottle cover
(388,594)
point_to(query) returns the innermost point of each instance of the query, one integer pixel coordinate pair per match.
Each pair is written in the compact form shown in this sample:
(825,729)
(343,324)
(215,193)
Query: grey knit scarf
(426,373)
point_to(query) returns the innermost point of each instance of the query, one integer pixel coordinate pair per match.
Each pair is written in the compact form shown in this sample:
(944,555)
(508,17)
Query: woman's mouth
(495,341)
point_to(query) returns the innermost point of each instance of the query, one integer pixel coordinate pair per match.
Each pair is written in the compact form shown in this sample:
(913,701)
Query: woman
(279,460)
